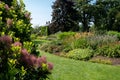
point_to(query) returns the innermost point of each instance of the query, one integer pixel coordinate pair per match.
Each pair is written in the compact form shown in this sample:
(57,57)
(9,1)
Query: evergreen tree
(64,17)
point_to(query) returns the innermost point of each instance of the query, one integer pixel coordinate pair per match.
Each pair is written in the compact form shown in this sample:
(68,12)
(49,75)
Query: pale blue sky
(40,10)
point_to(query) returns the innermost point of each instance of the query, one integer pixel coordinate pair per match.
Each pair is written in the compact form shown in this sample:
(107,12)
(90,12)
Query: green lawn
(68,69)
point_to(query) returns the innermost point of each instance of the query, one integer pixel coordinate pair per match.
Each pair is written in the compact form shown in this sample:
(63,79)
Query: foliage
(114,33)
(64,35)
(51,47)
(64,17)
(80,54)
(79,43)
(97,60)
(15,20)
(98,40)
(109,50)
(85,10)
(17,63)
(105,12)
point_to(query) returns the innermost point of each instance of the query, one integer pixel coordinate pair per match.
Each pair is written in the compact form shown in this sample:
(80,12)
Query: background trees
(64,17)
(67,14)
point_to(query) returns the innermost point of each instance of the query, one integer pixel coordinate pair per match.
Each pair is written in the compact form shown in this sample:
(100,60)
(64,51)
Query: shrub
(79,43)
(80,54)
(114,33)
(98,40)
(110,50)
(64,35)
(15,19)
(16,63)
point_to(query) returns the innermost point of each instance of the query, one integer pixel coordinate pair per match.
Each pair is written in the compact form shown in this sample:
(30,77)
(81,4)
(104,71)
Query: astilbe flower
(9,22)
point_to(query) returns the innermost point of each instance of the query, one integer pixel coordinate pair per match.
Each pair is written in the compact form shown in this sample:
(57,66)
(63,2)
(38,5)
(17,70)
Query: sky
(40,11)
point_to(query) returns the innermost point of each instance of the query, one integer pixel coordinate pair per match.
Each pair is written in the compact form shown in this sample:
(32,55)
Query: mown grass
(69,69)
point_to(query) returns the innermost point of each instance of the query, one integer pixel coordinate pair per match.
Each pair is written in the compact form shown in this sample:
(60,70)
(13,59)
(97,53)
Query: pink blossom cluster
(17,44)
(9,22)
(27,15)
(6,40)
(33,61)
(7,7)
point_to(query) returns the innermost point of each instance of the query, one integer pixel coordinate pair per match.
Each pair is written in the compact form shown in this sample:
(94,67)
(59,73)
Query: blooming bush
(17,63)
(15,20)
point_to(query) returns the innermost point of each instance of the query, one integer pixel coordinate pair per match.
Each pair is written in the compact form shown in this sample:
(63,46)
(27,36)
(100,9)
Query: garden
(63,50)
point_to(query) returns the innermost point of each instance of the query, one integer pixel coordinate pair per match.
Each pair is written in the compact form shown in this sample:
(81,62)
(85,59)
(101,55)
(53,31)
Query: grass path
(68,69)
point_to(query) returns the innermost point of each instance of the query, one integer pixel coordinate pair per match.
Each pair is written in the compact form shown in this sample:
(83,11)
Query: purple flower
(39,62)
(17,44)
(50,66)
(24,52)
(32,60)
(43,59)
(6,40)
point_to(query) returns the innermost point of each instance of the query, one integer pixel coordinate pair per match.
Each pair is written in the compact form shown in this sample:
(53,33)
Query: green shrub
(110,50)
(79,43)
(51,47)
(64,35)
(80,54)
(114,33)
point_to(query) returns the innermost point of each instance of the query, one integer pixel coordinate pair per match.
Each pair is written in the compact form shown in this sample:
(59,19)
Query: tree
(9,2)
(85,10)
(64,17)
(105,14)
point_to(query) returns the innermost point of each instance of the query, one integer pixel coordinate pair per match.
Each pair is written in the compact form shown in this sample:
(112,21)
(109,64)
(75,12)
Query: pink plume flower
(17,44)
(50,66)
(6,39)
(9,22)
(24,52)
(43,59)
(7,7)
